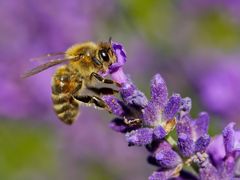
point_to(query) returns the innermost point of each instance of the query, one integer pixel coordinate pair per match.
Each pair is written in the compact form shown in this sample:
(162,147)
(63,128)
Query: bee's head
(106,54)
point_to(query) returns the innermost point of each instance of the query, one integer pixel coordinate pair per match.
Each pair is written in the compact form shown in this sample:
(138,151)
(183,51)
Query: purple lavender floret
(172,106)
(159,133)
(157,176)
(202,143)
(168,159)
(184,126)
(116,70)
(131,95)
(151,114)
(192,134)
(171,174)
(164,156)
(208,171)
(121,57)
(150,122)
(224,151)
(139,137)
(159,92)
(116,106)
(118,125)
(186,106)
(161,111)
(120,61)
(185,145)
(229,138)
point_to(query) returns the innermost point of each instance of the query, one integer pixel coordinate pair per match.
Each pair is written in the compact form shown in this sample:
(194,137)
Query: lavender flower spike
(149,123)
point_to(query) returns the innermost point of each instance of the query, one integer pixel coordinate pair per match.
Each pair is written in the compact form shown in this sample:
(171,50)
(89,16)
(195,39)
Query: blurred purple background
(193,44)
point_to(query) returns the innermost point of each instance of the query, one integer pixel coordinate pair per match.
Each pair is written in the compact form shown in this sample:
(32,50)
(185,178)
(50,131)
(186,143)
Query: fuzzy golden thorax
(92,57)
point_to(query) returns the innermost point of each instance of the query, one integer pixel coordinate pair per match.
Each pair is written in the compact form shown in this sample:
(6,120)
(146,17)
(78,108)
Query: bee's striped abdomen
(64,85)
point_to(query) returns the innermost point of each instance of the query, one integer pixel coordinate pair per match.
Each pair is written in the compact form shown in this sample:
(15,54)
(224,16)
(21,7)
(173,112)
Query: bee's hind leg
(96,101)
(103,90)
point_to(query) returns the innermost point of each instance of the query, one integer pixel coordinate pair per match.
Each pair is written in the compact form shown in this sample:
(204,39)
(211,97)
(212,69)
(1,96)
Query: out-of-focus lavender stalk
(150,123)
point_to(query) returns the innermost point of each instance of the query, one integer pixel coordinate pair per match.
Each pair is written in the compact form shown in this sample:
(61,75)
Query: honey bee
(83,63)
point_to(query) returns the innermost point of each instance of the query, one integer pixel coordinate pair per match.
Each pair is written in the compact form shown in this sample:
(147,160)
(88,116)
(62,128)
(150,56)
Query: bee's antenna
(110,40)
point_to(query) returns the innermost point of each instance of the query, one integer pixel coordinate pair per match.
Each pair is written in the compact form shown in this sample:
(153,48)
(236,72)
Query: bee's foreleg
(96,101)
(103,90)
(103,80)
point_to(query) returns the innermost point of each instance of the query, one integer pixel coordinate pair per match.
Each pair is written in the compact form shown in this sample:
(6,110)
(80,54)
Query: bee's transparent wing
(49,56)
(47,65)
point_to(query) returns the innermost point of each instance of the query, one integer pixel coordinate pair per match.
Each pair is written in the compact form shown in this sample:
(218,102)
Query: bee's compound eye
(104,56)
